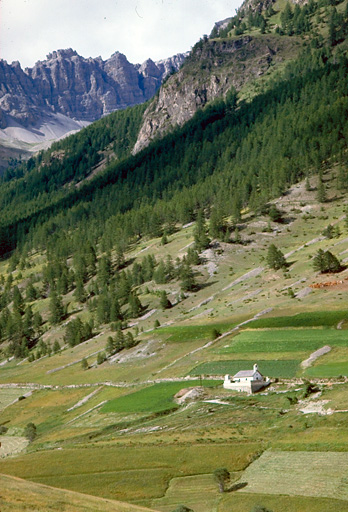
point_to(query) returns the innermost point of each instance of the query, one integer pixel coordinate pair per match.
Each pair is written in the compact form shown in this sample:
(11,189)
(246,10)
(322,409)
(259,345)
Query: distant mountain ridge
(78,87)
(66,84)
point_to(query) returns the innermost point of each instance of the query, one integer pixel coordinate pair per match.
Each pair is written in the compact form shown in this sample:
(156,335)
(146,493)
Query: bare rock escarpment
(213,68)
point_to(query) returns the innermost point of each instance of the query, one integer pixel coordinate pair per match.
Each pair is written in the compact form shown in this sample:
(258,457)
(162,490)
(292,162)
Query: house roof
(245,373)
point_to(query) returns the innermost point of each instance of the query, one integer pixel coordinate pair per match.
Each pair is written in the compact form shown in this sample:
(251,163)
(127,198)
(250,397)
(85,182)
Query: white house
(249,381)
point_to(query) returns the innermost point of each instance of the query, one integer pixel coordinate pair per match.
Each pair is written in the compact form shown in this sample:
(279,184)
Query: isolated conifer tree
(135,306)
(275,258)
(325,261)
(321,191)
(188,282)
(164,301)
(200,233)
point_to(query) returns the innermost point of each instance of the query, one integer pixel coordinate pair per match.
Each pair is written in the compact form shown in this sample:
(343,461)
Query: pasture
(11,445)
(284,368)
(9,395)
(17,494)
(312,474)
(247,502)
(307,319)
(195,332)
(284,340)
(154,399)
(200,493)
(132,472)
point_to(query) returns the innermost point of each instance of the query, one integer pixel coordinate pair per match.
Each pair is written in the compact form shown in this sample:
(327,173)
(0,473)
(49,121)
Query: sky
(141,29)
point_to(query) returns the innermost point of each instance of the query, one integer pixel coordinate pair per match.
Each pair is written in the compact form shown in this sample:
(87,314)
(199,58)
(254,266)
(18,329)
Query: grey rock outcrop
(80,88)
(212,69)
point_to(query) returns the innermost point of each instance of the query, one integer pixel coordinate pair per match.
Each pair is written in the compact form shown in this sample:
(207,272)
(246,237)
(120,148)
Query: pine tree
(321,191)
(188,282)
(18,301)
(56,347)
(56,309)
(164,301)
(79,292)
(275,258)
(135,307)
(325,262)
(200,233)
(160,273)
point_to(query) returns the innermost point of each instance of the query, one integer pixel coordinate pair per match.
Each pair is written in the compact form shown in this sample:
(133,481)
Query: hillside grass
(157,398)
(306,319)
(313,474)
(246,503)
(133,473)
(200,493)
(285,340)
(17,494)
(286,368)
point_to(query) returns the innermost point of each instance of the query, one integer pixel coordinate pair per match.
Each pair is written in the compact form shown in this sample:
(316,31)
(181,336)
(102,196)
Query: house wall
(245,386)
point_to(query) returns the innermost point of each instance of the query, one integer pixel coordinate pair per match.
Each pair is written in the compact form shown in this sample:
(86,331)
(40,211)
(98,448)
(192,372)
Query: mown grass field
(200,493)
(285,340)
(8,396)
(313,474)
(131,473)
(156,398)
(246,503)
(284,368)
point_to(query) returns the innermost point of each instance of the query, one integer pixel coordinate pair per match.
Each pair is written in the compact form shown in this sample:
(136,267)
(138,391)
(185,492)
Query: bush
(101,358)
(30,432)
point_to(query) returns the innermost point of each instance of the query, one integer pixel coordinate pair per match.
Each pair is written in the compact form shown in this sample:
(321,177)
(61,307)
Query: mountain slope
(66,91)
(20,493)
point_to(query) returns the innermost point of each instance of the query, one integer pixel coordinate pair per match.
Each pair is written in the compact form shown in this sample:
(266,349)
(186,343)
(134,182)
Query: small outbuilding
(248,381)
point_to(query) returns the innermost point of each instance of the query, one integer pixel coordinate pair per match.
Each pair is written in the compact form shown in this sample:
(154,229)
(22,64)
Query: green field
(313,474)
(284,368)
(200,493)
(131,473)
(328,370)
(285,340)
(156,398)
(308,319)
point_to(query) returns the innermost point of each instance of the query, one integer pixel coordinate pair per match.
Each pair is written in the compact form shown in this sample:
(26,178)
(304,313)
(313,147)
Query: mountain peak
(63,53)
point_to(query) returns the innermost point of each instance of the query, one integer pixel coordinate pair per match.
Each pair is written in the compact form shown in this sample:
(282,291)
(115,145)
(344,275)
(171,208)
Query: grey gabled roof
(245,373)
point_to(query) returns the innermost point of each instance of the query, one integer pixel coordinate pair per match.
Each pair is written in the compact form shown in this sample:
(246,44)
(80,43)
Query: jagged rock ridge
(80,88)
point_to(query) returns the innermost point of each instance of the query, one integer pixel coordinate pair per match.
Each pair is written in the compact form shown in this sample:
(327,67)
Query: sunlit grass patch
(156,398)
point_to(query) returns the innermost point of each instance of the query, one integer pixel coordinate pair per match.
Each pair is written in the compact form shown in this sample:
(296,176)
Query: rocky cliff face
(83,89)
(214,67)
